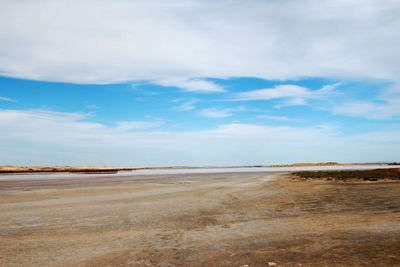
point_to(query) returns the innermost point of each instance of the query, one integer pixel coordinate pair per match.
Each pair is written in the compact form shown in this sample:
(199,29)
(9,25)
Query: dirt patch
(224,220)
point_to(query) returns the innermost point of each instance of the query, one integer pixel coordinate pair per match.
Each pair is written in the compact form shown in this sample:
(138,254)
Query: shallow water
(68,175)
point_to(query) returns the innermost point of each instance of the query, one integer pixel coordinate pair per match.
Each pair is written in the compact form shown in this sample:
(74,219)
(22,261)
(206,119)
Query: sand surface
(222,219)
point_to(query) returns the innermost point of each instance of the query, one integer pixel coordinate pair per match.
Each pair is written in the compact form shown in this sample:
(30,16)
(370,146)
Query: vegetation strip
(94,169)
(367,175)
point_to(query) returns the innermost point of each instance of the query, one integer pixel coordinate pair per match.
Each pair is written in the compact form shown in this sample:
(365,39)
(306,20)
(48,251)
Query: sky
(199,82)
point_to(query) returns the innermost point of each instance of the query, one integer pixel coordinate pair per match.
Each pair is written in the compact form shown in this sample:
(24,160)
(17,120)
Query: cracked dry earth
(252,219)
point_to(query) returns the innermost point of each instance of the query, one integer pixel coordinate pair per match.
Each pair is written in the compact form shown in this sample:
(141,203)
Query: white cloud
(55,138)
(7,99)
(292,94)
(383,137)
(385,106)
(187,105)
(126,40)
(90,106)
(370,110)
(279,91)
(216,113)
(275,118)
(137,125)
(191,85)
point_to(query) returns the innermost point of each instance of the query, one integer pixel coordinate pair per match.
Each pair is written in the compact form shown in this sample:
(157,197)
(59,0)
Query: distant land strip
(100,169)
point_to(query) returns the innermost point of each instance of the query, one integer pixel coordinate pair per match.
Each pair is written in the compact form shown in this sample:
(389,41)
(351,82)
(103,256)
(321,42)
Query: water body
(68,175)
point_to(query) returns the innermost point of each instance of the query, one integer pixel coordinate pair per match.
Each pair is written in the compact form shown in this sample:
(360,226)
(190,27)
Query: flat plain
(224,219)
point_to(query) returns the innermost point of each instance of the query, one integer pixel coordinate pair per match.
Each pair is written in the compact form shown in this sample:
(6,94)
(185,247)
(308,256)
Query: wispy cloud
(216,113)
(275,118)
(186,105)
(191,85)
(291,94)
(385,106)
(368,109)
(91,106)
(7,99)
(138,125)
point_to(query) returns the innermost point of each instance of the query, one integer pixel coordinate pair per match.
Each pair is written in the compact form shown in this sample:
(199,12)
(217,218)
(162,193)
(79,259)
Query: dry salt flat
(213,218)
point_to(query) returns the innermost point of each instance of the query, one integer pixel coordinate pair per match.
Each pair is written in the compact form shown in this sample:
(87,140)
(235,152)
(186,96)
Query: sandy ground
(253,219)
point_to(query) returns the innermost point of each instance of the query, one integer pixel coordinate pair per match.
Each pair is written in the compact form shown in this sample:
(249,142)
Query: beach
(198,219)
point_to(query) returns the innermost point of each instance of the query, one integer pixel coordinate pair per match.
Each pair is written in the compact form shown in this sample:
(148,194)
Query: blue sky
(199,82)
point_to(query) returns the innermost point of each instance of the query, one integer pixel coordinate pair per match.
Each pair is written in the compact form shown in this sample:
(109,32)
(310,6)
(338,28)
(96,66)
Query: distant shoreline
(94,169)
(101,169)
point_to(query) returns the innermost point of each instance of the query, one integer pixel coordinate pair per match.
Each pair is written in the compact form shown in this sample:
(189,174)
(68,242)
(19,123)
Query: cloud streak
(275,118)
(293,95)
(368,109)
(7,99)
(216,113)
(191,85)
(186,105)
